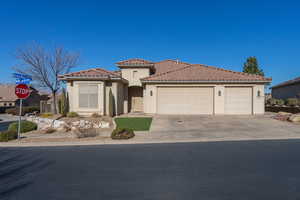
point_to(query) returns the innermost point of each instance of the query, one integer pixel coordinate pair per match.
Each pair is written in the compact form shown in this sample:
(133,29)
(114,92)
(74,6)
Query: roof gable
(135,62)
(202,73)
(91,73)
(286,83)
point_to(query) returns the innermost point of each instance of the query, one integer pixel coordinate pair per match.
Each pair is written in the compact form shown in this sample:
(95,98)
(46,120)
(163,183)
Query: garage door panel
(185,100)
(238,100)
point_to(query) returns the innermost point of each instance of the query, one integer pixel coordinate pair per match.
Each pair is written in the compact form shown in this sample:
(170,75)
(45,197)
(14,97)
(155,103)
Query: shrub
(84,133)
(292,102)
(280,102)
(72,114)
(26,126)
(12,111)
(8,135)
(64,103)
(122,133)
(95,115)
(25,110)
(46,115)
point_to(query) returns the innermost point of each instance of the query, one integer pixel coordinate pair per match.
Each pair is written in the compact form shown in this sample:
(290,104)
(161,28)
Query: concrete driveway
(221,128)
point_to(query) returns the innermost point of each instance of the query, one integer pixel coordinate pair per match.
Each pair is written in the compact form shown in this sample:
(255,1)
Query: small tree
(64,103)
(251,66)
(45,66)
(111,102)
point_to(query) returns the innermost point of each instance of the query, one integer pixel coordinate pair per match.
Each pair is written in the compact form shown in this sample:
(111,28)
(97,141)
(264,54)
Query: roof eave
(206,81)
(94,78)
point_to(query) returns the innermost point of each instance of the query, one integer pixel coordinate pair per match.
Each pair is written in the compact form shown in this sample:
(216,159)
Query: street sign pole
(20,116)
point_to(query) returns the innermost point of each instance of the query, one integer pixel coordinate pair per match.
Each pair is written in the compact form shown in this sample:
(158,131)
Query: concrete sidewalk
(176,129)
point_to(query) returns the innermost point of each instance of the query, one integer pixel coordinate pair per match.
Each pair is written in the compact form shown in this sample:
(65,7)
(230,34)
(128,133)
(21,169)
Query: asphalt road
(5,120)
(220,170)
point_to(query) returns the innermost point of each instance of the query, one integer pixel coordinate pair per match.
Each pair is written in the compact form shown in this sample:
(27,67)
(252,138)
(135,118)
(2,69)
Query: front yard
(134,123)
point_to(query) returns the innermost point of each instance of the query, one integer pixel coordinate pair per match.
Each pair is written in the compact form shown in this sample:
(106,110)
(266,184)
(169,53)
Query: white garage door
(238,100)
(185,100)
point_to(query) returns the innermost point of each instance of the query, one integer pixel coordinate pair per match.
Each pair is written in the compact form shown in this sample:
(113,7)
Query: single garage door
(185,100)
(238,100)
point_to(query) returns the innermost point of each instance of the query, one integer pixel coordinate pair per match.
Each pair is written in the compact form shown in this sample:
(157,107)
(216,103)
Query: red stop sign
(22,91)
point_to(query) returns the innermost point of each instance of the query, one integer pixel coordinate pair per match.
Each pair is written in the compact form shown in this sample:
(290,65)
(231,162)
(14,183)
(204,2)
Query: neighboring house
(166,87)
(287,89)
(8,98)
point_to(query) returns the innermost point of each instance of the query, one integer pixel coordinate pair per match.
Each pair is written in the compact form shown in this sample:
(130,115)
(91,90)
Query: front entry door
(136,99)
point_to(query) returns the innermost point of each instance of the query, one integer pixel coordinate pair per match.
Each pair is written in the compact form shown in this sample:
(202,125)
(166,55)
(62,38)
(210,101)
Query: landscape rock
(284,113)
(295,118)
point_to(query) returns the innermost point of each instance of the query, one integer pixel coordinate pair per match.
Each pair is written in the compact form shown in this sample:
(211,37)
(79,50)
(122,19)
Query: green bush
(46,115)
(26,126)
(72,114)
(25,110)
(5,136)
(292,102)
(274,102)
(122,133)
(280,102)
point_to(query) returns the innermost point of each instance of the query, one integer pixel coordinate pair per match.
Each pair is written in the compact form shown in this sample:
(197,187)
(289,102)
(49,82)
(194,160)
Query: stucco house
(165,87)
(8,99)
(287,89)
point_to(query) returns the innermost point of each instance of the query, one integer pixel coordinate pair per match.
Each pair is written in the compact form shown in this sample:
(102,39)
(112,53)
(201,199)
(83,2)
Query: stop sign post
(22,91)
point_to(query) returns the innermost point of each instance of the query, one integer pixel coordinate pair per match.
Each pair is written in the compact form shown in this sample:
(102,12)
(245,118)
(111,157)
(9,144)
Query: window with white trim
(88,96)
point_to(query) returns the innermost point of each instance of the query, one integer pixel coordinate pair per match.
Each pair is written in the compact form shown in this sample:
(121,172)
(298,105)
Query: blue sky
(218,33)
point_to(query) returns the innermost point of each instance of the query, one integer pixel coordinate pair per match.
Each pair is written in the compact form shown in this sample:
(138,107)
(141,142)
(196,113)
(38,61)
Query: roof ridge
(105,70)
(235,72)
(167,72)
(173,61)
(138,59)
(91,69)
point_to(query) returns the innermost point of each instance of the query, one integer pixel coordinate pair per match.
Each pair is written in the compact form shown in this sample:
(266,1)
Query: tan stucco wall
(150,102)
(7,104)
(127,73)
(73,92)
(104,87)
(289,91)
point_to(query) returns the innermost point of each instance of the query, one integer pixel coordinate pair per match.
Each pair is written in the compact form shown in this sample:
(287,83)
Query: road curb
(112,142)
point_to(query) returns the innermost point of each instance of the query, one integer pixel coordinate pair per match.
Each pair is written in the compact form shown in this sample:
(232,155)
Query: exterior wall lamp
(258,93)
(219,93)
(151,93)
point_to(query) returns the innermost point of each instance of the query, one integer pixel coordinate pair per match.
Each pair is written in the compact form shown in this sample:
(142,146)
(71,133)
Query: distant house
(165,87)
(287,89)
(8,99)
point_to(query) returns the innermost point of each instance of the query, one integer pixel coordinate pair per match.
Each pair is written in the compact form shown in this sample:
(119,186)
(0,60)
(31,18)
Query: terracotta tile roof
(92,73)
(202,73)
(7,93)
(135,62)
(286,83)
(168,65)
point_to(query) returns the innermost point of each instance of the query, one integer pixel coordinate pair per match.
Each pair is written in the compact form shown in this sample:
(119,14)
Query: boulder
(104,124)
(284,113)
(295,118)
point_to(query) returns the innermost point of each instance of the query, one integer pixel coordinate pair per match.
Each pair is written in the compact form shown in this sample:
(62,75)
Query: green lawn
(135,123)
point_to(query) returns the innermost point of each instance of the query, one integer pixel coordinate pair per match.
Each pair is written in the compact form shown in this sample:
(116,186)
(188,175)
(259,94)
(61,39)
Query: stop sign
(22,91)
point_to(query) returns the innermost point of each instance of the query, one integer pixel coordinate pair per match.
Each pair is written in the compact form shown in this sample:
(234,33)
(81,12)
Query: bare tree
(45,66)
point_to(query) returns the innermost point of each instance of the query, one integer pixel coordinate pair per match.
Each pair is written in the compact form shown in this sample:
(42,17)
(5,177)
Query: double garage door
(185,100)
(200,100)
